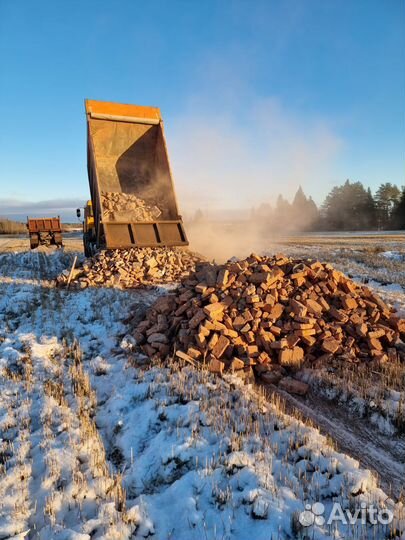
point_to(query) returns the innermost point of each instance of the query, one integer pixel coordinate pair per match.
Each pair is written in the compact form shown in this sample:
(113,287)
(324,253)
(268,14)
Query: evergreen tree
(349,207)
(300,201)
(312,213)
(304,211)
(387,198)
(370,211)
(282,214)
(282,205)
(398,214)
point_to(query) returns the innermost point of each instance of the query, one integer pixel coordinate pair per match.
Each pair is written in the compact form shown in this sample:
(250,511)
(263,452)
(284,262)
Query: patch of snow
(393,255)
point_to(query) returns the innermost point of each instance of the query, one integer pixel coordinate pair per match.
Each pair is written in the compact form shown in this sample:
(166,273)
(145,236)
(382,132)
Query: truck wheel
(86,245)
(58,239)
(34,241)
(93,249)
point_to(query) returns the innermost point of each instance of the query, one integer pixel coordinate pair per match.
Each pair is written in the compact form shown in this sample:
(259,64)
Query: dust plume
(245,157)
(220,241)
(236,163)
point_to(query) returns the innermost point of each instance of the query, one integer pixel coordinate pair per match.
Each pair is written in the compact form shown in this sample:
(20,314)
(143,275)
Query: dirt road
(354,436)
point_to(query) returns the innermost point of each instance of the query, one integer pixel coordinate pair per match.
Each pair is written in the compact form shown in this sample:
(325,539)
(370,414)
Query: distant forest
(349,207)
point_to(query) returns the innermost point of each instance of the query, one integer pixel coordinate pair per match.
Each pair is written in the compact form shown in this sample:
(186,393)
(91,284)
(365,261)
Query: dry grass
(7,226)
(87,403)
(246,419)
(371,384)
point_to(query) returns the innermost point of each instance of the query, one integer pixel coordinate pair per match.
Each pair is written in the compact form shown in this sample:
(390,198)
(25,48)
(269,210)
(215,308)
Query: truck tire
(87,245)
(58,239)
(34,240)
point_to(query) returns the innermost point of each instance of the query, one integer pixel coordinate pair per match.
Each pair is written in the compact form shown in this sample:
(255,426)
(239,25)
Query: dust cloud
(242,156)
(219,241)
(245,157)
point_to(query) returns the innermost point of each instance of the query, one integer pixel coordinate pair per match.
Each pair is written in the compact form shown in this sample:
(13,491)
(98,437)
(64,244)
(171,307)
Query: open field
(17,243)
(96,445)
(368,256)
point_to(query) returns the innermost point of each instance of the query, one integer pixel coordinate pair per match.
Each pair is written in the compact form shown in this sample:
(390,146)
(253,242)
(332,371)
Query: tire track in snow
(353,436)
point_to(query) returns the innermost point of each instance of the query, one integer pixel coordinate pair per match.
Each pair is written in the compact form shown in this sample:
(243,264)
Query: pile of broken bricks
(131,268)
(272,315)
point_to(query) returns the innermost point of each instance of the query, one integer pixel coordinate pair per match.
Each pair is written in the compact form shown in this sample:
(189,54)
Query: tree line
(349,207)
(352,207)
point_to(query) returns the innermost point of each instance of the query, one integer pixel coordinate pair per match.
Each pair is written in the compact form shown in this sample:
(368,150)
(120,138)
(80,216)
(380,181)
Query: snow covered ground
(95,444)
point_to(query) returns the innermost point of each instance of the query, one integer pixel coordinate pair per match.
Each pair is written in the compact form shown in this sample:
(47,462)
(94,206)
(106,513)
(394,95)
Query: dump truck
(133,202)
(44,231)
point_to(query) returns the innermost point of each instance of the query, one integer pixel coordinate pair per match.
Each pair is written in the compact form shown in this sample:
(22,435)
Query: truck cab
(89,232)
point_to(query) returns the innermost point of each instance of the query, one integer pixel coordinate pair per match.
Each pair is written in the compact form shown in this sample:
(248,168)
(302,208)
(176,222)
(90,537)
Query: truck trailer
(44,231)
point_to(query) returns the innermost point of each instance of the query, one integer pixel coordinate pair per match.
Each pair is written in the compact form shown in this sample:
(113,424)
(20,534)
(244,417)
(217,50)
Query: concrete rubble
(130,268)
(126,206)
(273,316)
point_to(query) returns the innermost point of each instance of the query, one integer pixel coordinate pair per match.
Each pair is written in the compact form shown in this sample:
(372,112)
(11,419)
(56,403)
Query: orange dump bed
(36,225)
(128,165)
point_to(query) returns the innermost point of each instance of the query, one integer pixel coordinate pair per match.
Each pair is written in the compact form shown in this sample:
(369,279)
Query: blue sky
(257,96)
